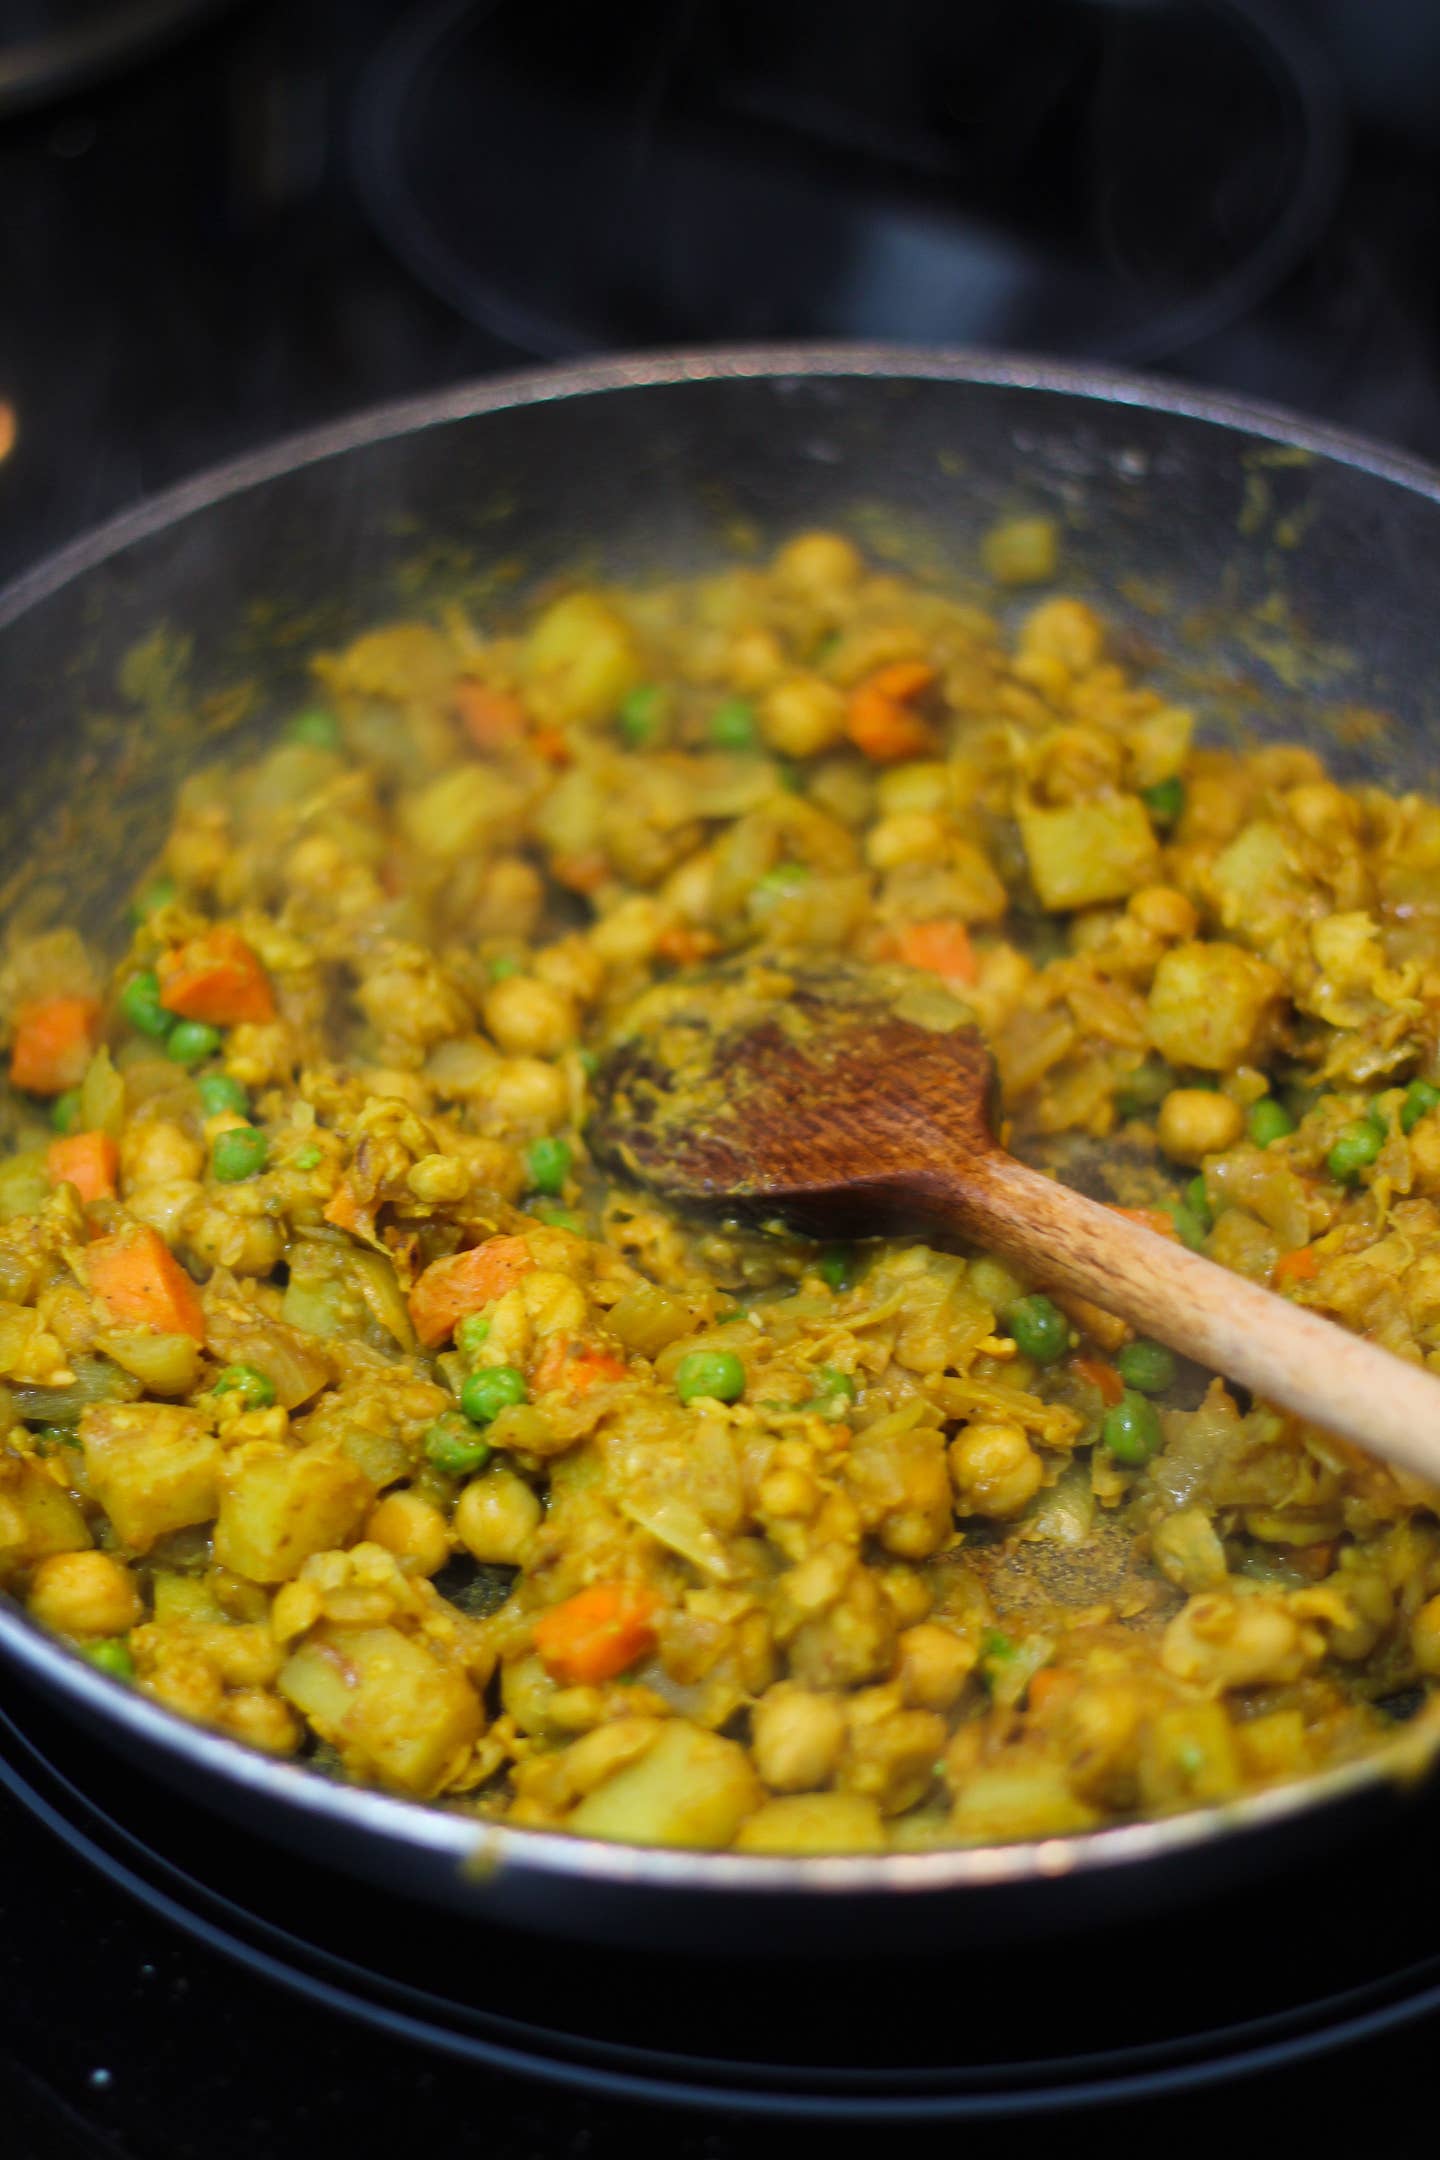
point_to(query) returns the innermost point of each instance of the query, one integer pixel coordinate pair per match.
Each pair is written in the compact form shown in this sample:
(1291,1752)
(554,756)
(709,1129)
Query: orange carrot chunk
(344,1210)
(493,719)
(1101,1376)
(1149,1218)
(574,1368)
(215,977)
(1295,1267)
(90,1161)
(54,1040)
(139,1283)
(940,948)
(449,1289)
(597,1633)
(880,720)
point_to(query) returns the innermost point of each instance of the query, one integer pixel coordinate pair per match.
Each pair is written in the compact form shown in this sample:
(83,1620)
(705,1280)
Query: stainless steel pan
(1282,573)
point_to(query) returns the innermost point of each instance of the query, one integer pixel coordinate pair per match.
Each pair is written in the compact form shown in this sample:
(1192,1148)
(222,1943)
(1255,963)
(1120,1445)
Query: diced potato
(460,811)
(818,1822)
(1030,1799)
(392,1709)
(1084,852)
(37,1517)
(1188,1759)
(165,1364)
(1159,745)
(153,1468)
(691,1788)
(1258,885)
(1212,1005)
(183,1597)
(579,660)
(278,1505)
(1022,551)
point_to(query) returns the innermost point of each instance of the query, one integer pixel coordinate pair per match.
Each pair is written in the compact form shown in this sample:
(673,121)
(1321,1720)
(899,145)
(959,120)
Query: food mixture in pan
(352,1409)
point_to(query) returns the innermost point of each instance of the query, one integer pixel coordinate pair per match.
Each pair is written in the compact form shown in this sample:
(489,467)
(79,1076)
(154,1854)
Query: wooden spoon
(843,1101)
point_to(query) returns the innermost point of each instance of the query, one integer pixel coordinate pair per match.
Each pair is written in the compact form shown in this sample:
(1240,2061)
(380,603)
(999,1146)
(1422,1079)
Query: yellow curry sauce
(351,1409)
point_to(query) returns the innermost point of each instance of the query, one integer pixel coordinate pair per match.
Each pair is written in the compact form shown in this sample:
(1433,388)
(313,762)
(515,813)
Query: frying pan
(1278,573)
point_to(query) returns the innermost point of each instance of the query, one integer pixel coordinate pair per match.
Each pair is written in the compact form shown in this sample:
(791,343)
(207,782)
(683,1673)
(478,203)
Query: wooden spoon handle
(1290,1356)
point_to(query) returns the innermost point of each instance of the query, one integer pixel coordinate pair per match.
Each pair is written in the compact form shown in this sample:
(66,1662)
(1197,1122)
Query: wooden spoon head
(827,1095)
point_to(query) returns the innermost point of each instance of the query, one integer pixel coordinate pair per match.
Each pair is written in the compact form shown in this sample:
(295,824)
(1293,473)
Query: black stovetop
(188,267)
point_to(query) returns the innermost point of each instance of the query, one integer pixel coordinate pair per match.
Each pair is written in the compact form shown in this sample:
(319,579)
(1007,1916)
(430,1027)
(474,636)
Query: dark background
(279,216)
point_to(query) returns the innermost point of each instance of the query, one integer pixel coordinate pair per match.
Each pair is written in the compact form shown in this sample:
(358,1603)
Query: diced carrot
(552,744)
(881,722)
(344,1210)
(1296,1267)
(90,1161)
(449,1289)
(580,873)
(574,1368)
(941,948)
(1149,1218)
(1048,1688)
(215,977)
(683,945)
(493,719)
(1101,1376)
(138,1281)
(597,1633)
(54,1039)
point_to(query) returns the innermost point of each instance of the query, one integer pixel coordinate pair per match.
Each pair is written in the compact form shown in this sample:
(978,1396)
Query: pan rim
(479,1851)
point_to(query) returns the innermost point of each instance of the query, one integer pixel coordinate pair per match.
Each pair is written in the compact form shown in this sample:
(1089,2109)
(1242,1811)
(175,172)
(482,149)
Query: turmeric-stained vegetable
(492,719)
(54,1038)
(882,721)
(138,1281)
(215,977)
(941,948)
(90,1161)
(597,1633)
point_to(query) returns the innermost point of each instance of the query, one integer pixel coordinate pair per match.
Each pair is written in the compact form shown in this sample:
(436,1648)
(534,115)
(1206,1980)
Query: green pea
(255,1388)
(791,776)
(1131,1430)
(1190,1230)
(1198,1202)
(1164,801)
(140,1004)
(1143,1088)
(710,1376)
(589,1063)
(642,715)
(560,1218)
(113,1657)
(834,1266)
(504,966)
(454,1446)
(472,1331)
(242,1152)
(65,1111)
(1355,1149)
(316,728)
(49,1437)
(1421,1097)
(834,1392)
(493,1389)
(995,1643)
(778,884)
(219,1095)
(152,898)
(1040,1329)
(309,1158)
(190,1042)
(732,725)
(1148,1366)
(1268,1121)
(548,1162)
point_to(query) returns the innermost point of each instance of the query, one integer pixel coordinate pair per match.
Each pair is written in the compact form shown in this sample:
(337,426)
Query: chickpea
(754,659)
(1194,1122)
(1164,912)
(156,1151)
(935,1663)
(994,1469)
(527,1091)
(788,1492)
(261,1721)
(906,836)
(797,1738)
(85,1593)
(818,563)
(509,900)
(411,1528)
(803,716)
(437,1178)
(629,933)
(573,967)
(496,1517)
(1425,1639)
(1066,630)
(529,1018)
(1045,672)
